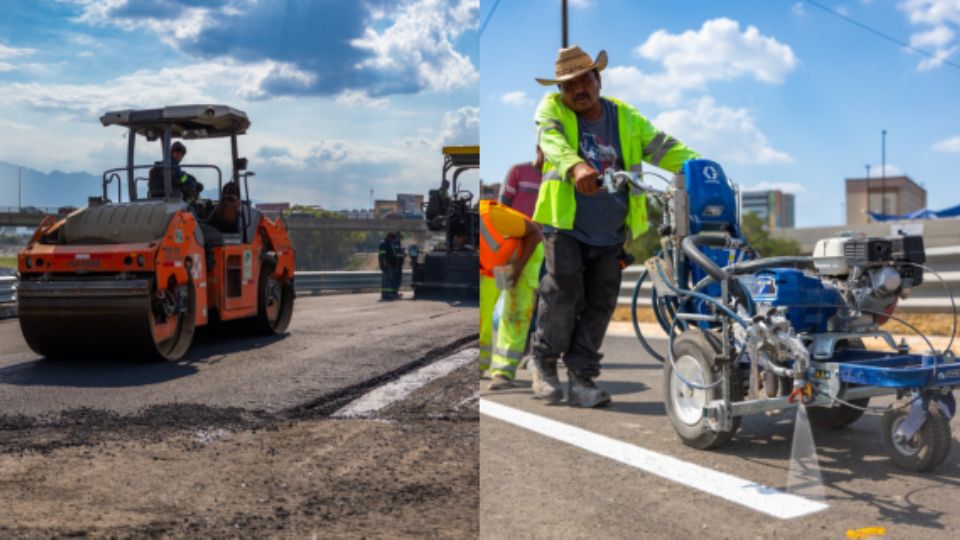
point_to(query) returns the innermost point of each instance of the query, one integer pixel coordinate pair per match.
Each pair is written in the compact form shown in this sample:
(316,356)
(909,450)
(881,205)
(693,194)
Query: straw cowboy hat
(573,62)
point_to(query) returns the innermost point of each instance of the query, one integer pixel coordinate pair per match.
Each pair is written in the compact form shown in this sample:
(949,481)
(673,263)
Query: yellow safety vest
(558,138)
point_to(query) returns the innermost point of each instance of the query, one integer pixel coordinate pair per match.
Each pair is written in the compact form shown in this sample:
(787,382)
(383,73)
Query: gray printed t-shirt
(601,217)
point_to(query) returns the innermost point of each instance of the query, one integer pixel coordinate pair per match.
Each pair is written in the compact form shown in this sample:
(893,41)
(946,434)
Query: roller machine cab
(451,271)
(135,278)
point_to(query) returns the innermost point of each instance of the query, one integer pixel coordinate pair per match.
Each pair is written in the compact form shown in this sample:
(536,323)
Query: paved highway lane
(536,486)
(334,342)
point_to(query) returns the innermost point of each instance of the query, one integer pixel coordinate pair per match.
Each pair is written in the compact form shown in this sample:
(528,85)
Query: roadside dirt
(932,324)
(193,471)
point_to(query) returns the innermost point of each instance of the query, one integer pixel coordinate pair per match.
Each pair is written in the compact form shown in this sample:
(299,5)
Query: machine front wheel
(694,354)
(274,304)
(927,449)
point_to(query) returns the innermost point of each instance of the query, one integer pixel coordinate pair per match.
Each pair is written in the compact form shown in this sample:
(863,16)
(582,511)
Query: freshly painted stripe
(383,396)
(755,496)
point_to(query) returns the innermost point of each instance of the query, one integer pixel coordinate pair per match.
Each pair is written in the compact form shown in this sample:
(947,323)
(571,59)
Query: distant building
(891,195)
(490,191)
(410,205)
(382,207)
(774,207)
(273,210)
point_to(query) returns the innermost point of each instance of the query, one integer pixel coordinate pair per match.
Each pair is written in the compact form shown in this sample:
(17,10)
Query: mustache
(582,95)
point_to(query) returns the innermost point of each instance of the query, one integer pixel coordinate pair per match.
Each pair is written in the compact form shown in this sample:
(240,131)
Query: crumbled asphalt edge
(328,404)
(86,426)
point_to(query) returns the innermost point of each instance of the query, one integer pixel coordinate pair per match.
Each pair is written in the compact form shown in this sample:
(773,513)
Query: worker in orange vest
(511,253)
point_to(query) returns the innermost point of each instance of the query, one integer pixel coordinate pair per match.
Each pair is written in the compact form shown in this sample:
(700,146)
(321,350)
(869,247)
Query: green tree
(753,228)
(325,249)
(755,231)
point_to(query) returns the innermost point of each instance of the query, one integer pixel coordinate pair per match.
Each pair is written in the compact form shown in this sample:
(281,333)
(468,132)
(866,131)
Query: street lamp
(867,166)
(883,172)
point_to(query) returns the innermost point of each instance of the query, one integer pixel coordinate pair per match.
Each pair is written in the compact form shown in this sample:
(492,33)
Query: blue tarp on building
(953,211)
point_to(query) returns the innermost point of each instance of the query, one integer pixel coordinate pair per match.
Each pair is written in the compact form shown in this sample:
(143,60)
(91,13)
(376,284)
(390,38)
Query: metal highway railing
(929,297)
(306,283)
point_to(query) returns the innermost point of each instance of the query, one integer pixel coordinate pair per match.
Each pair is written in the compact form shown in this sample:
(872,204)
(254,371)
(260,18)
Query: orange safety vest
(495,249)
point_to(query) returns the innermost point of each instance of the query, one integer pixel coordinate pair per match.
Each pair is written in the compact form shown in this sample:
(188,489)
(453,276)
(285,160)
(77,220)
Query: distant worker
(522,185)
(226,215)
(398,255)
(582,135)
(387,260)
(185,184)
(510,244)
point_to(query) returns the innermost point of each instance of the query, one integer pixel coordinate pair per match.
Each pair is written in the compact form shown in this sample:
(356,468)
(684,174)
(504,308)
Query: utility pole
(19,189)
(565,24)
(867,166)
(883,172)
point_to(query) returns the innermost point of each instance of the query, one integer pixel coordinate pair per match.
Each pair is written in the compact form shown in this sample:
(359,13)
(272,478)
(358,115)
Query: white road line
(755,496)
(383,396)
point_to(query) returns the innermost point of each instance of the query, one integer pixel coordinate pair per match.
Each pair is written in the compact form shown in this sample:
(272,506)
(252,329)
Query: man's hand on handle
(585,178)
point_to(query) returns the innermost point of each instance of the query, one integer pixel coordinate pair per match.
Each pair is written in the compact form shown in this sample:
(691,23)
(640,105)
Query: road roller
(135,278)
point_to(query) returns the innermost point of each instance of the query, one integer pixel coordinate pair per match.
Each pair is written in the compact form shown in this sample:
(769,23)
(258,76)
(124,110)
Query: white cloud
(719,51)
(581,4)
(877,171)
(360,99)
(11,53)
(518,98)
(939,15)
(151,88)
(420,41)
(786,187)
(461,127)
(721,133)
(948,146)
(798,9)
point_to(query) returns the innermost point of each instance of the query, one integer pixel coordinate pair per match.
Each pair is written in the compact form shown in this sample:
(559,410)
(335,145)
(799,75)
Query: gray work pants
(577,298)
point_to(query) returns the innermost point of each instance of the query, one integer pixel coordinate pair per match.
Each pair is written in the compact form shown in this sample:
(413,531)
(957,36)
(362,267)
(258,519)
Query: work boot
(546,381)
(582,392)
(499,382)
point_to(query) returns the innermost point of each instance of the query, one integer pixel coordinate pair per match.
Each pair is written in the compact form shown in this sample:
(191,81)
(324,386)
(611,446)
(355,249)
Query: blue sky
(344,96)
(779,92)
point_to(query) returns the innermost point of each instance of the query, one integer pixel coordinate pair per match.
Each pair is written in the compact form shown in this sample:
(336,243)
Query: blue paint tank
(809,300)
(713,201)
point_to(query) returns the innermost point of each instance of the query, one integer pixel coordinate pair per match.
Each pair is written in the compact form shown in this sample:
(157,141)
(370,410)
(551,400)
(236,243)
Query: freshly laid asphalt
(334,342)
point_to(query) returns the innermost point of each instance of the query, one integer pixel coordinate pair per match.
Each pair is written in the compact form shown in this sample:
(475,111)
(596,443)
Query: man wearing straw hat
(581,135)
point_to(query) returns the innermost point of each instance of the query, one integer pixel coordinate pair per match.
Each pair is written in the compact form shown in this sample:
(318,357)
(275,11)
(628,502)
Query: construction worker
(398,257)
(582,135)
(387,259)
(511,244)
(186,184)
(522,185)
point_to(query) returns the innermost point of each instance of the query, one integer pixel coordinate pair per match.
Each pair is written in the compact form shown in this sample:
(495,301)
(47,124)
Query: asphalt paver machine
(451,271)
(137,277)
(752,335)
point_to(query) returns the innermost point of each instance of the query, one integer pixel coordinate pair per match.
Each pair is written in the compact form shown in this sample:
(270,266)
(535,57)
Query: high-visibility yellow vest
(559,139)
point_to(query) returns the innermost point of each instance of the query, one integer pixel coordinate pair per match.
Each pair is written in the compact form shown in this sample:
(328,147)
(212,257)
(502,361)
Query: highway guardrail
(929,297)
(306,283)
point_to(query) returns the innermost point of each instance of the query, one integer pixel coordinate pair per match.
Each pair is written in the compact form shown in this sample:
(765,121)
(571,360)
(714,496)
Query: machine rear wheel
(927,449)
(274,304)
(694,354)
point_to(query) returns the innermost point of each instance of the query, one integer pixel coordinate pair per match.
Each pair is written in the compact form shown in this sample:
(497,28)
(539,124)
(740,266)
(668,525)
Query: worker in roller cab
(186,185)
(583,134)
(511,253)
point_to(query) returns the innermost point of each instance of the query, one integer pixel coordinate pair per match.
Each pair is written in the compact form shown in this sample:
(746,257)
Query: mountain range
(52,190)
